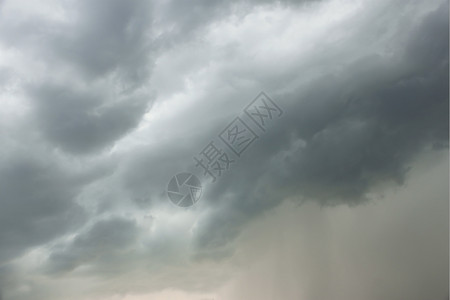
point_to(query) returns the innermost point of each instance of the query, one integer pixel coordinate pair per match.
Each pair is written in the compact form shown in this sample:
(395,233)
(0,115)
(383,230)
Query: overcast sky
(342,195)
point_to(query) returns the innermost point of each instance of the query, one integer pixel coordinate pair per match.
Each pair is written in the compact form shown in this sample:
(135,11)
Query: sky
(340,187)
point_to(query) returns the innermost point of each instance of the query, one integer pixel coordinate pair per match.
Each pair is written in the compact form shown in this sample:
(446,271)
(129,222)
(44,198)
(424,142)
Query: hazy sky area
(343,196)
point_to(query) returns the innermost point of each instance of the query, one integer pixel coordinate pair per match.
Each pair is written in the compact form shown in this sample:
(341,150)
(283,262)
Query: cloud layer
(104,101)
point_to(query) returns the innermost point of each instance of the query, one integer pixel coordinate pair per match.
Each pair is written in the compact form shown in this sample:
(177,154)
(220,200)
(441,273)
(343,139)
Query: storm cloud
(104,101)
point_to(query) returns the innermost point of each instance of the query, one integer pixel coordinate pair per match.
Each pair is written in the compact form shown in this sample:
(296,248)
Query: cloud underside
(106,100)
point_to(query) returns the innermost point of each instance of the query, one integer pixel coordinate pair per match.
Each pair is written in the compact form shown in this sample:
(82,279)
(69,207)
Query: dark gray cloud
(105,49)
(97,38)
(85,121)
(109,100)
(107,240)
(37,205)
(108,36)
(339,143)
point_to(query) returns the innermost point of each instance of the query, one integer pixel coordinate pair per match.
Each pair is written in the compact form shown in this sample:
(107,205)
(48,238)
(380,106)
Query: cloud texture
(102,102)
